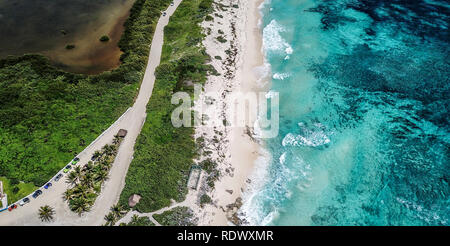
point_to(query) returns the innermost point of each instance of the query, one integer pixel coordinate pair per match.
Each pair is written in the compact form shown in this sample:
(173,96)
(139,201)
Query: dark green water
(47,26)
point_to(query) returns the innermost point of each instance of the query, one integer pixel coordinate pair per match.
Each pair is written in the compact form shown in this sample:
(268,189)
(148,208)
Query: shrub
(205,199)
(209,18)
(104,38)
(221,39)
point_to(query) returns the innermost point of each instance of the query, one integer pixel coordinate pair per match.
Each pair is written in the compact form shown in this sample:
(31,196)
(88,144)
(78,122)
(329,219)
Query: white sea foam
(272,184)
(273,41)
(421,212)
(263,74)
(253,209)
(309,137)
(314,139)
(270,94)
(281,76)
(283,157)
(252,204)
(289,50)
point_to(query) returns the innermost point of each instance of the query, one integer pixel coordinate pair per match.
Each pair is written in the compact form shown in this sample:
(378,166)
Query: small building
(194,177)
(122,133)
(133,200)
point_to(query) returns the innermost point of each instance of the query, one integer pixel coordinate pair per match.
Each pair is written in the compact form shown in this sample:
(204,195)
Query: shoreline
(237,151)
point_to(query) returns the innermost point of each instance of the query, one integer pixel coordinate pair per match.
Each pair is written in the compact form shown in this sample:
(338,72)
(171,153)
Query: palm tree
(118,210)
(89,166)
(68,194)
(88,179)
(75,175)
(46,213)
(72,178)
(101,175)
(109,149)
(79,205)
(116,140)
(134,219)
(97,154)
(110,219)
(106,164)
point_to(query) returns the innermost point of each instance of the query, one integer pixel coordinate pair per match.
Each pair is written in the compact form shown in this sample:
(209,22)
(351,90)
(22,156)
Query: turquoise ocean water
(364,114)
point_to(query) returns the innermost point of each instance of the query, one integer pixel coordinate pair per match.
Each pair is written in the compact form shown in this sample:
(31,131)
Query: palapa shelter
(122,133)
(133,200)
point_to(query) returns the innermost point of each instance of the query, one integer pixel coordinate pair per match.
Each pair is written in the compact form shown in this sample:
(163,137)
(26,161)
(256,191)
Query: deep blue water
(364,106)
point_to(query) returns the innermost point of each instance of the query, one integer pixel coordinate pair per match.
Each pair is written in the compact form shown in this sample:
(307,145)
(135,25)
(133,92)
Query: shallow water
(364,129)
(47,26)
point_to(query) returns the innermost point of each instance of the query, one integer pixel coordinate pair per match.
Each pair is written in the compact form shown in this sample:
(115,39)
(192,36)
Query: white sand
(235,152)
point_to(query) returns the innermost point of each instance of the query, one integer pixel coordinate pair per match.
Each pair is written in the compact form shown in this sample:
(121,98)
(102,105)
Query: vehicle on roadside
(171,4)
(164,14)
(75,160)
(58,177)
(24,201)
(37,193)
(66,170)
(48,185)
(14,206)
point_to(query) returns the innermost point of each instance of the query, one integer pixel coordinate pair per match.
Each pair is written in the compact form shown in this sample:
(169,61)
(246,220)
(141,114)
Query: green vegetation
(208,165)
(48,116)
(104,38)
(87,181)
(46,213)
(221,39)
(205,199)
(179,216)
(117,212)
(164,154)
(16,189)
(139,221)
(209,18)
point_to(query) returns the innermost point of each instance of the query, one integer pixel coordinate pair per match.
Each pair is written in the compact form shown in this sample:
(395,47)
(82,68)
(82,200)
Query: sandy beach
(233,148)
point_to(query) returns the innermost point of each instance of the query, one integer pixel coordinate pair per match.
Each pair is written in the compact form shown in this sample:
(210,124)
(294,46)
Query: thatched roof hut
(122,133)
(133,200)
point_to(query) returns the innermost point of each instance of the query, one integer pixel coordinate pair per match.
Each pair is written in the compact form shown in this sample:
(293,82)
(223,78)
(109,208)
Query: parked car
(58,177)
(48,185)
(37,193)
(164,13)
(75,160)
(14,206)
(24,201)
(66,170)
(171,4)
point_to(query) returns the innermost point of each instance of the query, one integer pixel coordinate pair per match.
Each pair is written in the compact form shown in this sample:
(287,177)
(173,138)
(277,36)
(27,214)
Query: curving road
(132,121)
